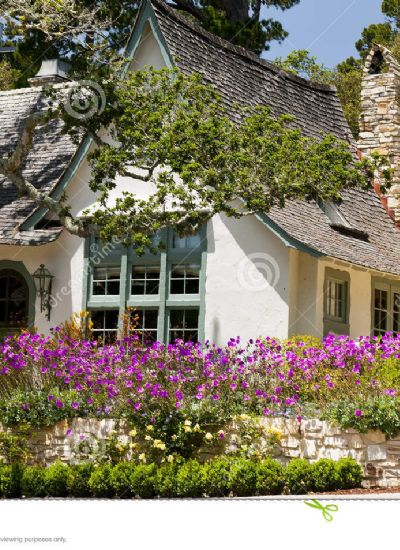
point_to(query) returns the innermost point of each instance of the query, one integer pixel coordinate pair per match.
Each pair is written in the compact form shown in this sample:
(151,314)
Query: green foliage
(33,482)
(78,480)
(243,477)
(325,475)
(349,473)
(10,481)
(299,476)
(8,76)
(377,413)
(270,477)
(57,480)
(121,476)
(301,63)
(33,408)
(218,477)
(100,482)
(143,480)
(202,161)
(191,480)
(14,448)
(165,480)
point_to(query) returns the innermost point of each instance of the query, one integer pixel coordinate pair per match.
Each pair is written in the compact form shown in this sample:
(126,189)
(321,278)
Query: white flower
(208,436)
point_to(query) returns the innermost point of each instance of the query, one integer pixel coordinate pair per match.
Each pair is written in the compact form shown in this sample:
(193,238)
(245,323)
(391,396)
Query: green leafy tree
(301,63)
(170,131)
(93,33)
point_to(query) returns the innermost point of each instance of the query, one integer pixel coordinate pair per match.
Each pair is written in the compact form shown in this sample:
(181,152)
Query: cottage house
(304,269)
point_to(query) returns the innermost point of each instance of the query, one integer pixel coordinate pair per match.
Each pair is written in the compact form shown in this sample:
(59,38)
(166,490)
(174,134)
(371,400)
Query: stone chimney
(380,115)
(52,71)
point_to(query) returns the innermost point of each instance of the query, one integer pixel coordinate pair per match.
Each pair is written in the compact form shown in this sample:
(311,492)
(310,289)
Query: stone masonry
(312,440)
(380,115)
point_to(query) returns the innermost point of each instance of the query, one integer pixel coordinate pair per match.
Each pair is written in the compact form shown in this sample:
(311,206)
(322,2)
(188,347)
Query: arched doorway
(14,301)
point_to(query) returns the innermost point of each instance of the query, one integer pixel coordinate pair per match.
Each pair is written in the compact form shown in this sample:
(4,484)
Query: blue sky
(328,28)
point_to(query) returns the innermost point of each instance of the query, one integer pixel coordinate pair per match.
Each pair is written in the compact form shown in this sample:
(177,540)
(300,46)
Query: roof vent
(52,71)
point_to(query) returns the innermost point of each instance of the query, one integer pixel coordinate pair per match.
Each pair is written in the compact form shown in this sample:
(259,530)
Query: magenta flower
(358,412)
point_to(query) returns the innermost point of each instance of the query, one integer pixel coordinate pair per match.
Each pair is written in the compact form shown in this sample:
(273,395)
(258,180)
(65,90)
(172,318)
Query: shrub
(191,479)
(375,413)
(10,481)
(299,476)
(78,480)
(100,482)
(218,477)
(325,475)
(33,482)
(243,477)
(270,478)
(143,481)
(121,479)
(349,473)
(56,480)
(165,481)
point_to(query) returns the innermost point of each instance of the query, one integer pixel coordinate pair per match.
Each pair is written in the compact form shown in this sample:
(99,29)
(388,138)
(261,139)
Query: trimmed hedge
(220,477)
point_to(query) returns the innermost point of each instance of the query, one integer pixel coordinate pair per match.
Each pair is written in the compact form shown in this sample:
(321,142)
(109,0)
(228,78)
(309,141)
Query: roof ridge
(239,50)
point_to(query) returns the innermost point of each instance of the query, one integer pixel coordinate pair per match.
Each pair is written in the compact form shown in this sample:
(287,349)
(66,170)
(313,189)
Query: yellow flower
(187,429)
(196,428)
(148,437)
(162,446)
(150,428)
(208,436)
(173,437)
(244,417)
(120,448)
(133,433)
(170,458)
(244,447)
(142,457)
(187,423)
(133,445)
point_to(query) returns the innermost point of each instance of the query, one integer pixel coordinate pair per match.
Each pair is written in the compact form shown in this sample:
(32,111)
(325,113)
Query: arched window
(14,300)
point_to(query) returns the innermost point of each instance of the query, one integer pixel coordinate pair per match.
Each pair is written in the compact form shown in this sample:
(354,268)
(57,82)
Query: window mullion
(162,332)
(123,287)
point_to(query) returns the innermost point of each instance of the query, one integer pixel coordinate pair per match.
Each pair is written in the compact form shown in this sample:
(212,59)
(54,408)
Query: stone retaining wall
(312,440)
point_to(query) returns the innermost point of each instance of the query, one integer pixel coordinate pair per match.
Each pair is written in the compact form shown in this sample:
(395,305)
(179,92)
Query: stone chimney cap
(52,71)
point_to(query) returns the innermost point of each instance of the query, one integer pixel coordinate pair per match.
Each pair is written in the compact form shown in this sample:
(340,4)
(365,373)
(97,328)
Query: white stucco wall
(64,260)
(247,283)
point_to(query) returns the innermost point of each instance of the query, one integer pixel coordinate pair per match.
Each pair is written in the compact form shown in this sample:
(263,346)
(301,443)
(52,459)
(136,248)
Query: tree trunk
(236,10)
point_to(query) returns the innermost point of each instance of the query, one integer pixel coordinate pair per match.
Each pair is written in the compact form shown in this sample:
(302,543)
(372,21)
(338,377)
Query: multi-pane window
(191,241)
(185,279)
(14,296)
(336,299)
(162,287)
(145,280)
(106,281)
(386,309)
(336,302)
(184,324)
(145,324)
(381,311)
(105,325)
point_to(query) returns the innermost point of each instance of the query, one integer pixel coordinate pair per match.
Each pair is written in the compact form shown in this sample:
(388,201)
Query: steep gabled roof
(242,79)
(51,153)
(373,240)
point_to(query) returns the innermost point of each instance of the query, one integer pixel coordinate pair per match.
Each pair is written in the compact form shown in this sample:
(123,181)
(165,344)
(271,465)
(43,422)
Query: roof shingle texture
(50,154)
(244,79)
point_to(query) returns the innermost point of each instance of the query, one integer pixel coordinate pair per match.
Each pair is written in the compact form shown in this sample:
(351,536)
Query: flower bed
(353,382)
(218,478)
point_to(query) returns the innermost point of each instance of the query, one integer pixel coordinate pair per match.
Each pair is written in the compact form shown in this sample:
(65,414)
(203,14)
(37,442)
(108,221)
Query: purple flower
(69,432)
(59,404)
(358,412)
(75,405)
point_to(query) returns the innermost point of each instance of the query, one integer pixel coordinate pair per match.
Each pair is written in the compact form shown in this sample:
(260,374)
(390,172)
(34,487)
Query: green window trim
(332,323)
(163,301)
(391,288)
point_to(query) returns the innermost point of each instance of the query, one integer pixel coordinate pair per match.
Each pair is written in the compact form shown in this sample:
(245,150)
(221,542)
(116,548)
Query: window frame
(392,287)
(165,259)
(330,323)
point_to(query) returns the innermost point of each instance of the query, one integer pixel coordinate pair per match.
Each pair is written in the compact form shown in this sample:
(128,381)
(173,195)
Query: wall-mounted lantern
(43,281)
